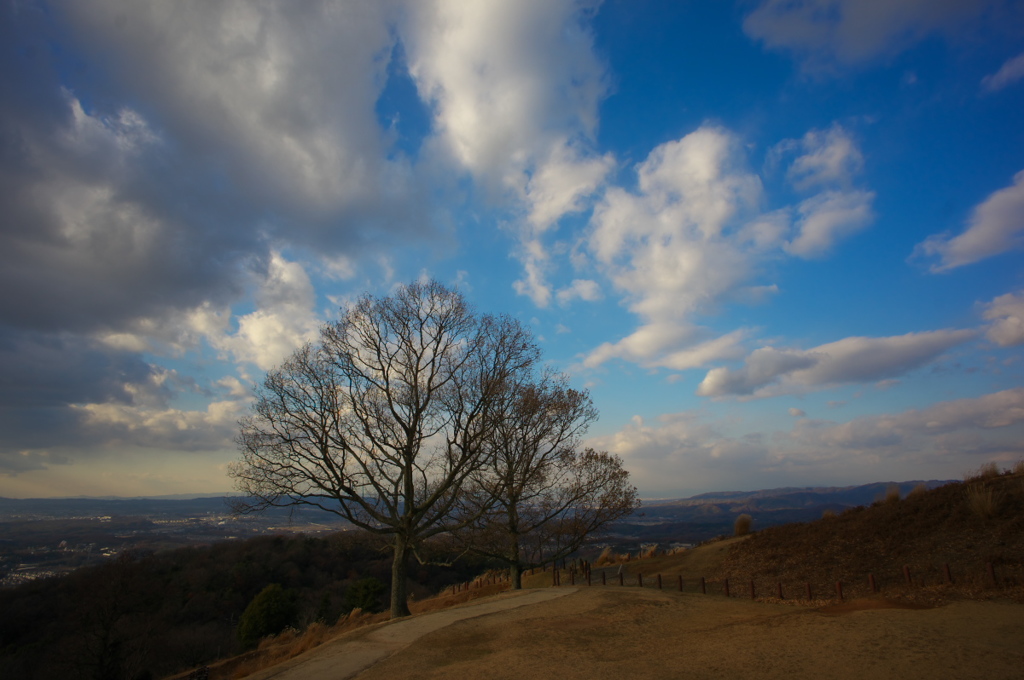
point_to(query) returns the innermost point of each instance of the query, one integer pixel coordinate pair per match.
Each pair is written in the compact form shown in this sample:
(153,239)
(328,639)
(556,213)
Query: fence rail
(987,575)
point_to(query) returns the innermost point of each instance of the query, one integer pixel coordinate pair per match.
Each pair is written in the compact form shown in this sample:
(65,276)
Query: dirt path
(633,633)
(347,656)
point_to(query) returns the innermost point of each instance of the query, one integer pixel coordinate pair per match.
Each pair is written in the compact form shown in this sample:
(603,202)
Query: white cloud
(580,289)
(828,217)
(694,233)
(515,88)
(943,426)
(690,452)
(672,247)
(769,371)
(211,429)
(681,450)
(796,412)
(996,226)
(285,317)
(234,386)
(282,94)
(829,162)
(848,32)
(1010,72)
(1006,313)
(830,157)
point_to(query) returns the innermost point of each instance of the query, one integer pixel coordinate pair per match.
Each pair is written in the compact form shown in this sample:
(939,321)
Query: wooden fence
(987,575)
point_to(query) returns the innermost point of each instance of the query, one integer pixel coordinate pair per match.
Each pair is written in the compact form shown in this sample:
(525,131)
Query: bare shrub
(892,493)
(983,502)
(828,514)
(1018,467)
(918,490)
(742,525)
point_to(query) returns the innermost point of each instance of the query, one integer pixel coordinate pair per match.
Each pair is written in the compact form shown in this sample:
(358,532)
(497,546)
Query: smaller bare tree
(547,496)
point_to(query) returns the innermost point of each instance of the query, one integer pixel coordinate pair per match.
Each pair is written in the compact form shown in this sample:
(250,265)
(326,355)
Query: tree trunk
(516,568)
(399,570)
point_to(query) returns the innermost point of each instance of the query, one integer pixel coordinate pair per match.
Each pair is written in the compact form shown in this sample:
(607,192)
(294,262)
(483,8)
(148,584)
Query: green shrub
(270,612)
(365,594)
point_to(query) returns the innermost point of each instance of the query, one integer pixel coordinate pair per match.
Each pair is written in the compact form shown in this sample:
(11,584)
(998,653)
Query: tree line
(141,616)
(413,417)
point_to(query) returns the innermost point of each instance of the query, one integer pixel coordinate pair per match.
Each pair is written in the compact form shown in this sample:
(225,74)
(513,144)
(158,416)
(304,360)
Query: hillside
(698,518)
(965,525)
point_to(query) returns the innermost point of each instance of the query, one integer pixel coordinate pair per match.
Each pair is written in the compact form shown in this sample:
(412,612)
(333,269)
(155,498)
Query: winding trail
(348,656)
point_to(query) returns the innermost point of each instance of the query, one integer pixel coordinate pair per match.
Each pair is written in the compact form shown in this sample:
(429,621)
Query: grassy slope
(925,531)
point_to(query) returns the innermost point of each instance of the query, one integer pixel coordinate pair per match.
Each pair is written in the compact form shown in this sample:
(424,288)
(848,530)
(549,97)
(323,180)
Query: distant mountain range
(690,519)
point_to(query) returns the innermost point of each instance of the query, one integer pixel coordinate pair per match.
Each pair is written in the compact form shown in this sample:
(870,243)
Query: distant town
(41,538)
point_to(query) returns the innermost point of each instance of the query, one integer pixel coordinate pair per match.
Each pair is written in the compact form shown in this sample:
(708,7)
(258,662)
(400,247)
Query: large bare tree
(385,419)
(546,496)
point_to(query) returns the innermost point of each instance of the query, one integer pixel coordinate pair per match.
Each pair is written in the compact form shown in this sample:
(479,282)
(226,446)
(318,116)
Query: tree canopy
(385,418)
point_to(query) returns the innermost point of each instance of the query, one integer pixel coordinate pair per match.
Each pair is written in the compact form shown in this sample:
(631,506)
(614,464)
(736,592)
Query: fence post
(906,575)
(992,573)
(872,584)
(780,590)
(753,595)
(727,587)
(703,586)
(839,590)
(640,579)
(680,583)
(554,577)
(949,577)
(659,581)
(588,577)
(604,578)
(572,577)
(620,578)
(810,595)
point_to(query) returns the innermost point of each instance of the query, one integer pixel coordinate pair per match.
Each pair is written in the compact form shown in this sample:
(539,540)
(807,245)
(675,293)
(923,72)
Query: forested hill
(150,616)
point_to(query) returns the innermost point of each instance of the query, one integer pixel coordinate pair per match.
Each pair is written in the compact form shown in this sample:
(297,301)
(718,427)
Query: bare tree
(547,495)
(386,418)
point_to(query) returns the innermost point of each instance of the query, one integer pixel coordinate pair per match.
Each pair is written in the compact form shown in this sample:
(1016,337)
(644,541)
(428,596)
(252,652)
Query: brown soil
(632,633)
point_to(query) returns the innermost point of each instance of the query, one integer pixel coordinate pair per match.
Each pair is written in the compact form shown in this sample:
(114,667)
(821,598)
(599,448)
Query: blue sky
(779,242)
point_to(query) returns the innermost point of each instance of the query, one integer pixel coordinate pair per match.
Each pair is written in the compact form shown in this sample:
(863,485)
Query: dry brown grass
(290,643)
(607,556)
(828,514)
(984,471)
(983,501)
(1018,467)
(892,493)
(741,527)
(918,490)
(926,532)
